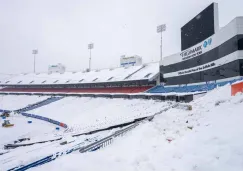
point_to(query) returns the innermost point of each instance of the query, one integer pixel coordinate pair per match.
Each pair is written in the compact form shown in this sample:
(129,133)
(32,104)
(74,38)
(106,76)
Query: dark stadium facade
(217,57)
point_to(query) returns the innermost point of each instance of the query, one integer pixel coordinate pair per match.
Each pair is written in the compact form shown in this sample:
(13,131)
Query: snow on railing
(103,142)
(108,140)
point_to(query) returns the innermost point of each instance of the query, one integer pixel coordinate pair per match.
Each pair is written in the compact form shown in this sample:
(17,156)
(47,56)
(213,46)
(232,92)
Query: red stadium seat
(81,90)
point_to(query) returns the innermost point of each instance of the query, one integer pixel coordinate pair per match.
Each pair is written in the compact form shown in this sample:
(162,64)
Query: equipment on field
(5,114)
(7,123)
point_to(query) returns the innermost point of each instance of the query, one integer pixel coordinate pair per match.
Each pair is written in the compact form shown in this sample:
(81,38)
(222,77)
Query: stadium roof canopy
(143,72)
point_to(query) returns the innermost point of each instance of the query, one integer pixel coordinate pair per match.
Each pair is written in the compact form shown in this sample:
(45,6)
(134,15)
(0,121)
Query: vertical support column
(161,49)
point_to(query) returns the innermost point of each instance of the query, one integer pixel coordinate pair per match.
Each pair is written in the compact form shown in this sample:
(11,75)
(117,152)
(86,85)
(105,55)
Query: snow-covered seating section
(15,102)
(143,72)
(206,138)
(5,77)
(88,114)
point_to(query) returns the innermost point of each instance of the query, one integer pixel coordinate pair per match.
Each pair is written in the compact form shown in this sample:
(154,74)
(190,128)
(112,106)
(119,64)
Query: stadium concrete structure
(209,57)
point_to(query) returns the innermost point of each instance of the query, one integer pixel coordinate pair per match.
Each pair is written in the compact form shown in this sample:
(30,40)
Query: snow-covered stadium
(183,113)
(132,79)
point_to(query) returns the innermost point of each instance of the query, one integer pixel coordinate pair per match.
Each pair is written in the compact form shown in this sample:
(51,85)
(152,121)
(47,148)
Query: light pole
(161,29)
(34,52)
(90,47)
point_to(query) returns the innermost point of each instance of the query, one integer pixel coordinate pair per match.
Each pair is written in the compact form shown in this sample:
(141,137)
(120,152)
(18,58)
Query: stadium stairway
(135,72)
(39,104)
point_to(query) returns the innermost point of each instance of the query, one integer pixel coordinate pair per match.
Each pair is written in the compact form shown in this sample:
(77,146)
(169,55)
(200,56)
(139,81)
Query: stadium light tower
(161,29)
(34,52)
(90,47)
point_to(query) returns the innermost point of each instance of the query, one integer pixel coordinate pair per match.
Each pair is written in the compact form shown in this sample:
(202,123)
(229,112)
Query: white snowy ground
(14,102)
(208,138)
(21,129)
(86,114)
(37,131)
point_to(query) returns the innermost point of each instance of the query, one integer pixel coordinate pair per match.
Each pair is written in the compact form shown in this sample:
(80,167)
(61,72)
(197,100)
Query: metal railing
(108,140)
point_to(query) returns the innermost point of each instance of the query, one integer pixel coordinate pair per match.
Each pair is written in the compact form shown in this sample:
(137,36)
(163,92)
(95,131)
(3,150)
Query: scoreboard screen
(199,28)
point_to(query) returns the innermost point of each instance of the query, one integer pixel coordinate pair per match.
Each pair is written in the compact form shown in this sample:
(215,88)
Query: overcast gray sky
(61,30)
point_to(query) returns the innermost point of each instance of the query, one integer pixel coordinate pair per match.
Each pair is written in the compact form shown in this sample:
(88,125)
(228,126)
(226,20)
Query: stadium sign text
(197,69)
(191,53)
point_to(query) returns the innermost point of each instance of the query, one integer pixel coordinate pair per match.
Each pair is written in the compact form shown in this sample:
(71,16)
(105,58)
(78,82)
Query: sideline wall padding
(45,119)
(236,88)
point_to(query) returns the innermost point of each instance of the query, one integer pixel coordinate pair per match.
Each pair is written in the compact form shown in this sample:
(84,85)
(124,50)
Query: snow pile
(14,102)
(208,138)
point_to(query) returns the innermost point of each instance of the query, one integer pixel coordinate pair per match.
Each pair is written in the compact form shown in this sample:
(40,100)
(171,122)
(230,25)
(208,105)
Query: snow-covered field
(14,102)
(208,138)
(21,129)
(37,131)
(87,114)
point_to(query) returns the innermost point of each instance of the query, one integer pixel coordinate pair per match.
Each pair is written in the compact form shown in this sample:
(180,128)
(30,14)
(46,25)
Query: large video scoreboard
(200,27)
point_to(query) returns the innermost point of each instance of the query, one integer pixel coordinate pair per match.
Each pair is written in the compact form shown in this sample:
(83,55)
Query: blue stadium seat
(190,88)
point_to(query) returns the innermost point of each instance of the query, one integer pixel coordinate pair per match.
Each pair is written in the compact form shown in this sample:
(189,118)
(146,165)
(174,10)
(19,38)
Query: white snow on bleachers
(150,71)
(94,76)
(208,138)
(5,77)
(87,114)
(14,102)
